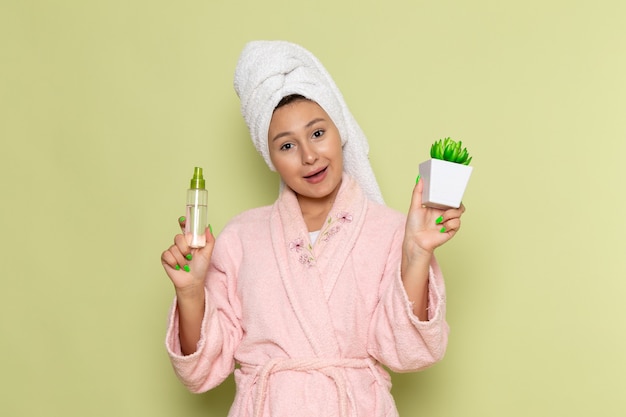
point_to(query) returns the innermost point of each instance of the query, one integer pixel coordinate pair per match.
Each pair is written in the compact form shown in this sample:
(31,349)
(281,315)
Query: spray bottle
(197,199)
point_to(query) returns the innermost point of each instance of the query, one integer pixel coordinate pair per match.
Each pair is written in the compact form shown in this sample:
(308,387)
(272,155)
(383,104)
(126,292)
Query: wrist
(414,260)
(190,293)
(413,252)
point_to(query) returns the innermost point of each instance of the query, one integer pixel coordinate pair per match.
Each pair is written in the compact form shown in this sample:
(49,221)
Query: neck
(315,210)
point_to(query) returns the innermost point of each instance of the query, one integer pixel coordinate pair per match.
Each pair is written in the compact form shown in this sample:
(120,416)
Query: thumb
(210,243)
(416,197)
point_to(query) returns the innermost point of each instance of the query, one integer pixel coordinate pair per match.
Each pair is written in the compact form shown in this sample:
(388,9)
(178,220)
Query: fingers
(172,258)
(178,255)
(181,222)
(452,214)
(450,220)
(452,225)
(181,250)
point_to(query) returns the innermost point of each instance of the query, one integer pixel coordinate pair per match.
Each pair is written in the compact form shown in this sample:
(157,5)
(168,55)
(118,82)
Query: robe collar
(308,271)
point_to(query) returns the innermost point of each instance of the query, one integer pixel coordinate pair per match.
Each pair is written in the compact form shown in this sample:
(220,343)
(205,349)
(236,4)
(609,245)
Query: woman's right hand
(187,267)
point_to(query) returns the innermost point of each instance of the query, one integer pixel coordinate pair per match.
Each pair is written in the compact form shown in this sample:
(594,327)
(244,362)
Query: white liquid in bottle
(196,213)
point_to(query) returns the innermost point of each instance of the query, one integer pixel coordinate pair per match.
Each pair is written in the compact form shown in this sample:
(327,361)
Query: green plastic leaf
(448,149)
(462,157)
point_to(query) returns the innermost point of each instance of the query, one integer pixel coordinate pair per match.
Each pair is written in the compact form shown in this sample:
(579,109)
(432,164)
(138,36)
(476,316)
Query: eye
(286,146)
(318,133)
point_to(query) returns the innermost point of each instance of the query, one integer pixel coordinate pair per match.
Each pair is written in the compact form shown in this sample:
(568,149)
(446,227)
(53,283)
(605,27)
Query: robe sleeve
(397,338)
(213,361)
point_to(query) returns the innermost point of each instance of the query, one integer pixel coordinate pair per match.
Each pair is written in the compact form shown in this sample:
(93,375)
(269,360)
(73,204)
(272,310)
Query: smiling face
(305,148)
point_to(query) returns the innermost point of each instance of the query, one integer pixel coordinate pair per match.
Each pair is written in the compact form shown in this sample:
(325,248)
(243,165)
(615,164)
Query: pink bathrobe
(310,325)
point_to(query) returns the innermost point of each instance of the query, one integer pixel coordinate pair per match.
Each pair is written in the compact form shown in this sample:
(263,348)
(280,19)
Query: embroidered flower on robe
(307,259)
(296,245)
(344,217)
(305,252)
(330,233)
(332,227)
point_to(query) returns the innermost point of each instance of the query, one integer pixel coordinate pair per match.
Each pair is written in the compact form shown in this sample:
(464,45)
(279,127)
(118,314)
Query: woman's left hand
(428,228)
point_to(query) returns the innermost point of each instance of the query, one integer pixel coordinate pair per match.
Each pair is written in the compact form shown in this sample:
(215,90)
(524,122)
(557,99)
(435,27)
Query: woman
(311,295)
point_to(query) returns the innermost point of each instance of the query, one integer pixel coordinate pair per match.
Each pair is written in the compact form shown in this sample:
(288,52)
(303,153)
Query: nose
(309,155)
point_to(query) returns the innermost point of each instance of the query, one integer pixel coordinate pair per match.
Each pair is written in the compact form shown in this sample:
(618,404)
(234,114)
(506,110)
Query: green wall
(106,106)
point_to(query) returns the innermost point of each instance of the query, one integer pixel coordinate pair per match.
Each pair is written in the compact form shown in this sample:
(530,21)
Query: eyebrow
(311,123)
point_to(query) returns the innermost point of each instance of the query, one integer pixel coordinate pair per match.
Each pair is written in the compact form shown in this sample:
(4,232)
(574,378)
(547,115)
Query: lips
(316,176)
(319,171)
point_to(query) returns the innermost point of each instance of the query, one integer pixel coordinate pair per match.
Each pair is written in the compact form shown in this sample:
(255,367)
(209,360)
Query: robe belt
(327,366)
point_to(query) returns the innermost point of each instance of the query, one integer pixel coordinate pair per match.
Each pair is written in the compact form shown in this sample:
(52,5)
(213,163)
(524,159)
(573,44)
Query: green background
(106,107)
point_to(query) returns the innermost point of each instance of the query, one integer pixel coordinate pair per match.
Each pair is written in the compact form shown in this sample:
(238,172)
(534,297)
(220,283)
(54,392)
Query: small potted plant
(446,174)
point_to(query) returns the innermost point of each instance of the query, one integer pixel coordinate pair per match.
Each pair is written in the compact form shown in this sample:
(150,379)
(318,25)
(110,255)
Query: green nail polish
(442,230)
(188,256)
(186,268)
(439,220)
(417,179)
(210,228)
(177,267)
(181,219)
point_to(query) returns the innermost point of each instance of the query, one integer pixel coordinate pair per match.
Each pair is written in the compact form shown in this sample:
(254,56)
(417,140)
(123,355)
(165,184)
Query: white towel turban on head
(267,71)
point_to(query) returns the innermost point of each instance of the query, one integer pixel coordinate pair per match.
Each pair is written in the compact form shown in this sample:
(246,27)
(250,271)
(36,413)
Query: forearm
(415,272)
(191,305)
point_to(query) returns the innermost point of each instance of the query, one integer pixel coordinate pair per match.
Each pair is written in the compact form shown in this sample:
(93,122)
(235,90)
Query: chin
(325,193)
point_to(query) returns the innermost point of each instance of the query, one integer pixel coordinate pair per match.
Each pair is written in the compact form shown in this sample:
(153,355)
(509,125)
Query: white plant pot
(444,183)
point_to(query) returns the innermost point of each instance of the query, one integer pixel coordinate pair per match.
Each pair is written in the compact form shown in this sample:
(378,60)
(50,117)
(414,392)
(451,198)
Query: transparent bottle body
(197,217)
